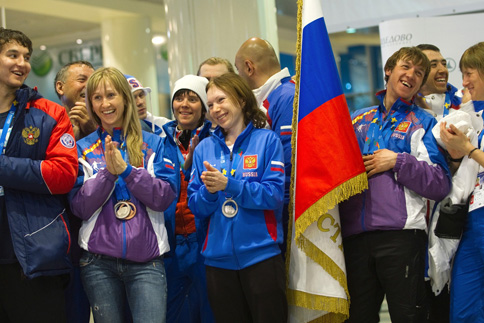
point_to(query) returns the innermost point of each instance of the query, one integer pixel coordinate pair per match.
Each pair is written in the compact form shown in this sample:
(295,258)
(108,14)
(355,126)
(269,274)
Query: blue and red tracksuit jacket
(255,173)
(397,199)
(38,167)
(279,105)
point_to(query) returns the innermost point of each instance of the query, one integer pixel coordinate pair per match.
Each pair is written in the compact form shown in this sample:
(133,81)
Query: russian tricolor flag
(327,169)
(329,166)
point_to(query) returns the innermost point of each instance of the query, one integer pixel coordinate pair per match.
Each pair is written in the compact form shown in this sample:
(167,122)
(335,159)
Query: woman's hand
(114,160)
(466,95)
(213,179)
(193,143)
(456,142)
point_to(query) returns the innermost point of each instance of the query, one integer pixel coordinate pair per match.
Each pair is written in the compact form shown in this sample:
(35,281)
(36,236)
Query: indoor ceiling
(50,22)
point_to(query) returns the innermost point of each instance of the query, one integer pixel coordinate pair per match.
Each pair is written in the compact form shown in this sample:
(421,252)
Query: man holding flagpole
(384,227)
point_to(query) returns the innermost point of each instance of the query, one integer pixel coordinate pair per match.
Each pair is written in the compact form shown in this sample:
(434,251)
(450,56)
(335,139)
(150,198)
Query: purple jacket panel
(384,200)
(93,194)
(141,242)
(150,191)
(426,180)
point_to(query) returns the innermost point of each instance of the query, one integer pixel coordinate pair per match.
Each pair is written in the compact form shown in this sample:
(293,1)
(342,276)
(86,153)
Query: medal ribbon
(234,163)
(381,128)
(230,207)
(7,128)
(120,190)
(235,160)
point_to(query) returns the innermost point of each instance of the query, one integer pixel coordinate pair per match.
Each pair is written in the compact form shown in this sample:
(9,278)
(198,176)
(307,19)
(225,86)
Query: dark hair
(62,74)
(215,61)
(413,54)
(238,90)
(428,47)
(473,57)
(183,92)
(10,35)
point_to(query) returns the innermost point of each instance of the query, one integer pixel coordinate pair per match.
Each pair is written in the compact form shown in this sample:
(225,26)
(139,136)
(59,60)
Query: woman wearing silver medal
(125,183)
(237,182)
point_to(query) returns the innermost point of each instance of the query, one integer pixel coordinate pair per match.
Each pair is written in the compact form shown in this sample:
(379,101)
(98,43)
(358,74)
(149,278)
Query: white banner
(317,275)
(452,34)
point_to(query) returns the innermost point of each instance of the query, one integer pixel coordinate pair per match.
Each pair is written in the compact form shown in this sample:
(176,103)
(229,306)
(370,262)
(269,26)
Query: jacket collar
(24,95)
(245,133)
(170,129)
(399,104)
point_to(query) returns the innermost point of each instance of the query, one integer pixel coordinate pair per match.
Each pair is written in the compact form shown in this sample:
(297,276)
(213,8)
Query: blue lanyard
(381,129)
(7,128)
(120,189)
(235,159)
(235,163)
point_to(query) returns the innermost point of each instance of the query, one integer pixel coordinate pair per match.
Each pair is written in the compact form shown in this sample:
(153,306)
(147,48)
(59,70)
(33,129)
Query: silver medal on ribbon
(230,208)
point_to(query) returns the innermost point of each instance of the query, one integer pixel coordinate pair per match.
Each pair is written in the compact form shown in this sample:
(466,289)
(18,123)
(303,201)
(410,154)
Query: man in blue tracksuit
(384,227)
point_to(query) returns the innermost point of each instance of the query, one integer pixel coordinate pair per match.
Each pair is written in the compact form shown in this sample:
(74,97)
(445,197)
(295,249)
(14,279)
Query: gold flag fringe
(294,134)
(337,308)
(330,318)
(340,193)
(351,187)
(322,259)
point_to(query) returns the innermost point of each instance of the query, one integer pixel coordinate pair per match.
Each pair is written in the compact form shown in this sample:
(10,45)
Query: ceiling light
(158,40)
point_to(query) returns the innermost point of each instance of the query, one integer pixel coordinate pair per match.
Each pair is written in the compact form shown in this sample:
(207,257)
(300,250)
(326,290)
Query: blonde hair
(216,61)
(473,58)
(131,124)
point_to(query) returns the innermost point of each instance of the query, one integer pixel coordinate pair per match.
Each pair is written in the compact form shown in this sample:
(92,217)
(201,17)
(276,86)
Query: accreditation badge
(477,197)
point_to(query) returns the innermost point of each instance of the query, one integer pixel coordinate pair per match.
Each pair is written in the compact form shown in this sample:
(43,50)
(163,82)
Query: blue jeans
(109,281)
